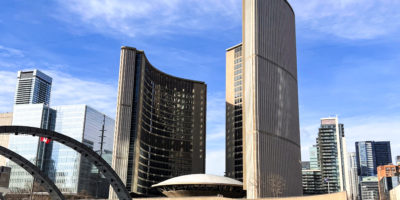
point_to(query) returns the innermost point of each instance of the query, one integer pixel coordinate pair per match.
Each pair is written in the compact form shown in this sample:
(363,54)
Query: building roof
(197,179)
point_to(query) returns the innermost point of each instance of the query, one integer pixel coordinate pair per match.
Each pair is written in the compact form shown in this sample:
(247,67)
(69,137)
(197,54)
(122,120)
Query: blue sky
(348,57)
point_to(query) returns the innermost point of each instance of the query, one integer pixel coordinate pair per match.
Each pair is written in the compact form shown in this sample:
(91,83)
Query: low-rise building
(389,178)
(312,182)
(369,188)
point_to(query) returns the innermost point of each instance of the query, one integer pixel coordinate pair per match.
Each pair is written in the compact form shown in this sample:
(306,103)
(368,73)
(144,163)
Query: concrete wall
(5,120)
(272,162)
(395,193)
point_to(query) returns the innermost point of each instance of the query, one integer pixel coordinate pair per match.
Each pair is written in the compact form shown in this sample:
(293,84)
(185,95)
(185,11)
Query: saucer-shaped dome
(201,185)
(200,179)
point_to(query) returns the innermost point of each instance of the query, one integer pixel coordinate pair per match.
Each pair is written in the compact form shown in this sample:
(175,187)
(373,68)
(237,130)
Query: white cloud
(67,90)
(215,158)
(10,52)
(215,162)
(133,17)
(351,19)
(7,90)
(373,128)
(216,119)
(308,135)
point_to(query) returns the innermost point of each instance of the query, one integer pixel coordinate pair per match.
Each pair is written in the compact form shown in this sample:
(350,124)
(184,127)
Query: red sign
(45,140)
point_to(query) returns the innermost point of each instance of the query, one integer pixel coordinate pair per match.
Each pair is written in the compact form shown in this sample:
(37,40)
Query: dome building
(201,185)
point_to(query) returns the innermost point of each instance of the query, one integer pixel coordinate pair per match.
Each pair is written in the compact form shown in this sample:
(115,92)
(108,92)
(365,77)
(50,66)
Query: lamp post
(327,181)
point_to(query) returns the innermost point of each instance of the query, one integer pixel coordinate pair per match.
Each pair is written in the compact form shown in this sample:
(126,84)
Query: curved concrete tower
(272,163)
(160,125)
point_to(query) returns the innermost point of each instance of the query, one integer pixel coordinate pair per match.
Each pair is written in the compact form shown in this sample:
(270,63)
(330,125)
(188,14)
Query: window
(238,71)
(238,66)
(238,77)
(237,83)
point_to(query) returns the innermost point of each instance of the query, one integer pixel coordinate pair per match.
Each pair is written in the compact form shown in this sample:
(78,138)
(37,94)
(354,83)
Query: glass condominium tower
(160,125)
(33,87)
(333,158)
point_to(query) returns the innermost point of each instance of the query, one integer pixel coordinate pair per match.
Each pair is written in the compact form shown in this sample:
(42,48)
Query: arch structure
(54,192)
(93,157)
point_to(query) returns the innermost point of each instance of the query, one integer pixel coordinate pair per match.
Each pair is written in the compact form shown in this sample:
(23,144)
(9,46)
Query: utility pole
(102,135)
(101,150)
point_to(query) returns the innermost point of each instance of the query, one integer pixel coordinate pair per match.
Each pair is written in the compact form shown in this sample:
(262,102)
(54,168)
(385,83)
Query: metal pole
(36,163)
(101,153)
(329,191)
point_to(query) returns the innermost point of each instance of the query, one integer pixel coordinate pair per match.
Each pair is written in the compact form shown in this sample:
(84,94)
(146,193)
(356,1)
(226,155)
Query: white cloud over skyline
(350,19)
(153,17)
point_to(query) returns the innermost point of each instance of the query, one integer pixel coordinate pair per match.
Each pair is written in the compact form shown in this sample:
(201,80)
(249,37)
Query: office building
(34,115)
(271,136)
(33,87)
(354,181)
(369,188)
(70,172)
(333,155)
(160,125)
(370,155)
(5,120)
(73,173)
(234,113)
(388,178)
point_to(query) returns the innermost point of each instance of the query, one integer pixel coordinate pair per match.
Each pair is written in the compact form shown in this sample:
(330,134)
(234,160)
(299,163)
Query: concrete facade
(272,163)
(395,193)
(160,125)
(5,120)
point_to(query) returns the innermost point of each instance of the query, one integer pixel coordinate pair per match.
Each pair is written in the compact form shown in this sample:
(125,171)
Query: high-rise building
(333,155)
(354,181)
(271,136)
(5,120)
(234,113)
(160,125)
(369,188)
(34,115)
(73,173)
(370,155)
(33,87)
(388,178)
(314,158)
